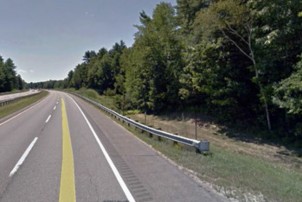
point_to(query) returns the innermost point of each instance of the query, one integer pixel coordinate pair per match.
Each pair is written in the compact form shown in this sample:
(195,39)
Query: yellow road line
(67,186)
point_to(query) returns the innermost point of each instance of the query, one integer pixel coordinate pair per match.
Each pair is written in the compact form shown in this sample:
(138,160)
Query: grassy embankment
(20,104)
(243,170)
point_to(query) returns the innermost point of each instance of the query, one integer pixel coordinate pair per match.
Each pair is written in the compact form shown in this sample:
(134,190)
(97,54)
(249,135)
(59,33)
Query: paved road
(63,149)
(17,95)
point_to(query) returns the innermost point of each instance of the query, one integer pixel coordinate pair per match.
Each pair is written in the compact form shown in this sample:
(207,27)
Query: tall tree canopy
(9,79)
(236,60)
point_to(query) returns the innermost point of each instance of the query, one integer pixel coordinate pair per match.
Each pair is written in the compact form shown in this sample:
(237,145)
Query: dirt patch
(211,132)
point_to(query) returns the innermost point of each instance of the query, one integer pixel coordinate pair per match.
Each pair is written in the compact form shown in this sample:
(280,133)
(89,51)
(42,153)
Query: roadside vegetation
(231,67)
(20,104)
(237,61)
(10,81)
(241,170)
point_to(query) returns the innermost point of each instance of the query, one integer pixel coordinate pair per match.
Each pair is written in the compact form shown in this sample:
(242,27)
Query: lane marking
(23,157)
(110,162)
(54,108)
(67,184)
(48,118)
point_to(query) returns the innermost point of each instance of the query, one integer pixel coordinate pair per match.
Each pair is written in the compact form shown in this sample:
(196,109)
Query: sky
(48,38)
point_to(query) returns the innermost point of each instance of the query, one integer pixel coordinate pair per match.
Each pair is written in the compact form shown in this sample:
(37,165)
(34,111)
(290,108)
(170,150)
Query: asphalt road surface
(17,95)
(64,149)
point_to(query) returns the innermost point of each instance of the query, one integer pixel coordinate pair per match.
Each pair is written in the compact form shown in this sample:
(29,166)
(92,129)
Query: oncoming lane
(17,133)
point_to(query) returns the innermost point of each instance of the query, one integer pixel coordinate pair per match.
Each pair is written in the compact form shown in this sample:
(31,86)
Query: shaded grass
(20,104)
(235,174)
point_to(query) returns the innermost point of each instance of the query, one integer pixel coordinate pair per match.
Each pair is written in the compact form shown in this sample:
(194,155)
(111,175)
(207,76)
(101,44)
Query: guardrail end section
(203,146)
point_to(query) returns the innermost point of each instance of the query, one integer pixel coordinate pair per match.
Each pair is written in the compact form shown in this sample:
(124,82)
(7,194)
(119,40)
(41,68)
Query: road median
(11,108)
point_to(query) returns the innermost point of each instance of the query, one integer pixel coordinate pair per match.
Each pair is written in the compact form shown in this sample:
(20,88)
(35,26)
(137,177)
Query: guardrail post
(175,143)
(202,146)
(159,137)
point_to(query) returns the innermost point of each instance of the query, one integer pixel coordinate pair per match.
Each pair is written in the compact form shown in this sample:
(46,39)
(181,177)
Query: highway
(64,149)
(13,96)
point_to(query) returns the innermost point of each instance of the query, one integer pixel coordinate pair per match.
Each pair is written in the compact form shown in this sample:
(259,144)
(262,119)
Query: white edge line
(23,157)
(48,118)
(110,162)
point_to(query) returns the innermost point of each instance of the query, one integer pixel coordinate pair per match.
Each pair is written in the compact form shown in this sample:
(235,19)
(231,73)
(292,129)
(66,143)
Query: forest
(239,61)
(9,79)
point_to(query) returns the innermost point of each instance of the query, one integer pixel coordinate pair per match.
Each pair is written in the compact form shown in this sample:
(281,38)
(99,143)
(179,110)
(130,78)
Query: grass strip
(20,104)
(236,175)
(107,101)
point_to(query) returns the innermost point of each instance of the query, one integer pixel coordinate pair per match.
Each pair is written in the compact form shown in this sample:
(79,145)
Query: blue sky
(47,38)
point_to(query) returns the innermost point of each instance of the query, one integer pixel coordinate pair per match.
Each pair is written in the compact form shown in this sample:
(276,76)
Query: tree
(19,82)
(154,77)
(8,78)
(2,76)
(226,57)
(234,21)
(288,93)
(80,76)
(88,56)
(69,79)
(187,11)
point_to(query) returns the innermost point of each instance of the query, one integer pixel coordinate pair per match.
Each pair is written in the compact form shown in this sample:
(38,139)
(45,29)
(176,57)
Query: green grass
(93,95)
(236,175)
(20,104)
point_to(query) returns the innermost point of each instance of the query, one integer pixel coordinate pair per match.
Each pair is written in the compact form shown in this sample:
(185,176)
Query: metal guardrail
(4,102)
(200,146)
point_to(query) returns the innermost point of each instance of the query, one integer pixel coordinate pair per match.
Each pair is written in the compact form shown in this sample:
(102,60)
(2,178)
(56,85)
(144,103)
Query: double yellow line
(67,185)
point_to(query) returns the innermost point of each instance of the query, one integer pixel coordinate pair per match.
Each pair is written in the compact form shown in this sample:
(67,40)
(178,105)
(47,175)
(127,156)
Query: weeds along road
(63,149)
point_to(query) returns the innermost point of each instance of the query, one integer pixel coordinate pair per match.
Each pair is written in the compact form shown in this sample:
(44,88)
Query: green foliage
(236,60)
(154,66)
(288,93)
(9,80)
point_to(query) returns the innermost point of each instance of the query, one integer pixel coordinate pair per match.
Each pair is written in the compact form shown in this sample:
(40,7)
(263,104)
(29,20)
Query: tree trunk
(267,114)
(251,56)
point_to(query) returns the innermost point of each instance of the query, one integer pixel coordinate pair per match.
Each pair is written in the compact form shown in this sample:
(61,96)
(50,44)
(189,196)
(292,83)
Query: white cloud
(21,71)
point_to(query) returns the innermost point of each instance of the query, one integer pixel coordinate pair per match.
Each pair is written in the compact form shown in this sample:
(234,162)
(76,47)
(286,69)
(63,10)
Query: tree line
(239,60)
(9,79)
